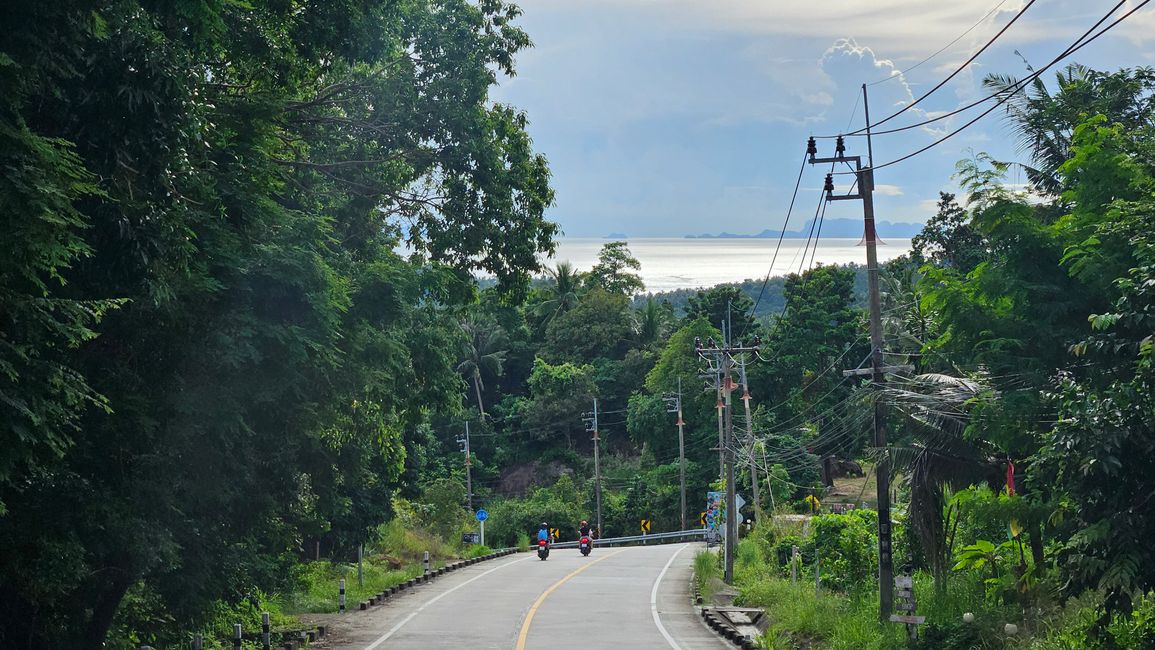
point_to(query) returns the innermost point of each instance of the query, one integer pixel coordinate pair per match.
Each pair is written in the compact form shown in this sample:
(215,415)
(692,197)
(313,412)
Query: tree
(258,165)
(565,287)
(600,327)
(1089,458)
(949,239)
(1045,122)
(611,274)
(559,395)
(483,352)
(652,322)
(721,304)
(819,335)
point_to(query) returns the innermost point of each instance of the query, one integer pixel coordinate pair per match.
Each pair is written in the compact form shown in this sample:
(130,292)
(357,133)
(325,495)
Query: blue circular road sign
(482,515)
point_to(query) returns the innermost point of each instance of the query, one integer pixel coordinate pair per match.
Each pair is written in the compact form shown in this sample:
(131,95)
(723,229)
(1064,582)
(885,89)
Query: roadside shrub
(785,546)
(847,547)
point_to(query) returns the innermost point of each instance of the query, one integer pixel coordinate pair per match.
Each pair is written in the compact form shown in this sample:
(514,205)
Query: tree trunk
(477,389)
(106,598)
(1036,534)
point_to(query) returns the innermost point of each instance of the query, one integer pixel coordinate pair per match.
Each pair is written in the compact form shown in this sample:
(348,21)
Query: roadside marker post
(425,563)
(265,640)
(341,597)
(904,592)
(817,576)
(237,635)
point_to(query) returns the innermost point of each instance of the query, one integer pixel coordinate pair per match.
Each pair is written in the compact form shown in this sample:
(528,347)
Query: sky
(662,118)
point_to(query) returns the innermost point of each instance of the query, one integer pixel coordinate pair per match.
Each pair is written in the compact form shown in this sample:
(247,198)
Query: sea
(670,263)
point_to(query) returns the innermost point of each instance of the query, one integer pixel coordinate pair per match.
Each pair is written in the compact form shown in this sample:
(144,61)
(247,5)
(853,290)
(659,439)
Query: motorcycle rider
(543,533)
(584,529)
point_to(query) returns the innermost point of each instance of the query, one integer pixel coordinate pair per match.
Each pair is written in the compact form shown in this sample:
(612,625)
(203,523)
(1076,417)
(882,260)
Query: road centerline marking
(399,625)
(524,634)
(654,600)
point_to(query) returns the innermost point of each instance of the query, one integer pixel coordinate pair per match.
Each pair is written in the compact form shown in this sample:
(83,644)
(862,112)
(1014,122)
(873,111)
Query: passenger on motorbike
(543,533)
(584,529)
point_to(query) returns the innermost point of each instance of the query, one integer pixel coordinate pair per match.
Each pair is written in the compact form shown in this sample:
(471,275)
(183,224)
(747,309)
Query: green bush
(785,547)
(847,548)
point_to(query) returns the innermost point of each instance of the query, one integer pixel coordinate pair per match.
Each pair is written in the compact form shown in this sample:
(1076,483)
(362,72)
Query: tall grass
(394,557)
(705,570)
(799,617)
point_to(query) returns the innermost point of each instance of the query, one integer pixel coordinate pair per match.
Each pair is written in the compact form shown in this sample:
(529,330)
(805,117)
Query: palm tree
(650,323)
(565,283)
(907,324)
(1045,122)
(483,351)
(940,457)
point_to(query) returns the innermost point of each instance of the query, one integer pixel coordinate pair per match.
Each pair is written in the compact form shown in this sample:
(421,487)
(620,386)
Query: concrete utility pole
(750,436)
(865,182)
(592,423)
(464,442)
(723,357)
(721,426)
(676,403)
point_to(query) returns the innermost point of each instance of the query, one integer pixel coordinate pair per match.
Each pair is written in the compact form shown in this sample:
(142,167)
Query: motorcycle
(584,545)
(542,549)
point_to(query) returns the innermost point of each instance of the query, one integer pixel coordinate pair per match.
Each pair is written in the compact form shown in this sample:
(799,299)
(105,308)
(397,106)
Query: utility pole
(464,442)
(723,356)
(676,404)
(750,436)
(865,182)
(721,428)
(592,427)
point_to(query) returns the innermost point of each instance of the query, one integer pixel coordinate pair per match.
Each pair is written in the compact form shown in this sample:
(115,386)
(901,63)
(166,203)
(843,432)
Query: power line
(1006,96)
(1071,49)
(781,236)
(952,75)
(942,49)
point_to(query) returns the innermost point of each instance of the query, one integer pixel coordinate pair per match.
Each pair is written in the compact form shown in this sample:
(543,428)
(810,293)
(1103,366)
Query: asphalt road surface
(617,597)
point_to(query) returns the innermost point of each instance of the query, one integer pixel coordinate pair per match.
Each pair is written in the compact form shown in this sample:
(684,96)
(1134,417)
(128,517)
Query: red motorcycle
(585,545)
(542,549)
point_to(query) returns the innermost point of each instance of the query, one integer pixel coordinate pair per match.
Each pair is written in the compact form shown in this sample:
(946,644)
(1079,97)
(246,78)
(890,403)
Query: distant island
(832,228)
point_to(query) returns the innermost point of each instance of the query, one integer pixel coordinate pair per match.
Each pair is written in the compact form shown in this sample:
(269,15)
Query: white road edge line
(654,601)
(393,630)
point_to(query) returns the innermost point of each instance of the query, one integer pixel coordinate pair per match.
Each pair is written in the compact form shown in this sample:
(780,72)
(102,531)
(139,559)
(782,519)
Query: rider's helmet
(544,525)
(585,523)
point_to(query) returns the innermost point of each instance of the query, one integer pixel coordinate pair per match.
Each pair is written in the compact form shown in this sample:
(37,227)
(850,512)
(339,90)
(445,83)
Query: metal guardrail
(660,538)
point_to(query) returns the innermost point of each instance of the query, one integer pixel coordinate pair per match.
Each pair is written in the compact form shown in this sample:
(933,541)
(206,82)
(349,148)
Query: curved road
(632,597)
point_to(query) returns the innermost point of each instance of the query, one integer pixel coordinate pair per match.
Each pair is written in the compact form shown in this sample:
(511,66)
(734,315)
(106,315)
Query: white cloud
(887,190)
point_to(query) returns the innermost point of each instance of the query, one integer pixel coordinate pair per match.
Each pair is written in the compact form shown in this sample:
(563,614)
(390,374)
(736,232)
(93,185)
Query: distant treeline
(771,301)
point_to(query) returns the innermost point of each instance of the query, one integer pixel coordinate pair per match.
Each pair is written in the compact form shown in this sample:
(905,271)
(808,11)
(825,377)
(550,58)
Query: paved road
(632,597)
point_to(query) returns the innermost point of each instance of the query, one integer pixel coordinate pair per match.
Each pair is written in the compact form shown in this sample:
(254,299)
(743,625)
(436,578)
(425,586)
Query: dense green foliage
(213,358)
(239,330)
